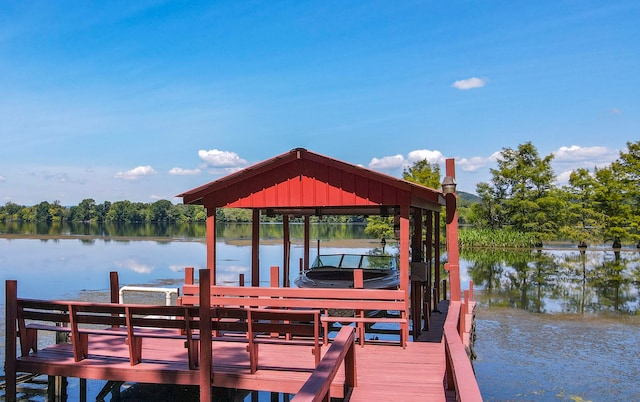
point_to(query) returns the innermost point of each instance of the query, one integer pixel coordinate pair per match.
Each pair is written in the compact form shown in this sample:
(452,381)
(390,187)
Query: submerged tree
(520,193)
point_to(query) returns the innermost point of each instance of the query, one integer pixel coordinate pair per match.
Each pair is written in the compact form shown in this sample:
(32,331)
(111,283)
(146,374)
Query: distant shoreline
(240,242)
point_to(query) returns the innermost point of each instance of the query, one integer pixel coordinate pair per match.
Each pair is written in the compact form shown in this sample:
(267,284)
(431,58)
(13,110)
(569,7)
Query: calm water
(556,325)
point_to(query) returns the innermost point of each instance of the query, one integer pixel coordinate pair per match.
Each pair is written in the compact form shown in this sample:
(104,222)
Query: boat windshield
(353,261)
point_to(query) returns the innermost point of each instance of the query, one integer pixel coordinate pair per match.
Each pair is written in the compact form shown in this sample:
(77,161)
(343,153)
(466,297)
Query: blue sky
(144,100)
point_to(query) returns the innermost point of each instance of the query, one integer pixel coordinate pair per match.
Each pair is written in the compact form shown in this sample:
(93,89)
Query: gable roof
(302,181)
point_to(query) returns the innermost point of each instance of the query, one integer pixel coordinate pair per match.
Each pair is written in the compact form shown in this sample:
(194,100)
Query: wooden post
(350,371)
(211,244)
(205,336)
(11,315)
(444,289)
(114,286)
(275,277)
(428,243)
(470,290)
(241,280)
(83,390)
(453,253)
(466,301)
(463,319)
(404,261)
(188,276)
(358,283)
(255,248)
(436,259)
(287,251)
(416,284)
(306,241)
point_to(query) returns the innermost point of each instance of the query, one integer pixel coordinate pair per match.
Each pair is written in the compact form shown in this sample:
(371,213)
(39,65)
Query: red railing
(459,374)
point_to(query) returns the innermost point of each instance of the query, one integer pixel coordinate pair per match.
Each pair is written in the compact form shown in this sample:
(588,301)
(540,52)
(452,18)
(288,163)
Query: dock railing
(459,373)
(317,387)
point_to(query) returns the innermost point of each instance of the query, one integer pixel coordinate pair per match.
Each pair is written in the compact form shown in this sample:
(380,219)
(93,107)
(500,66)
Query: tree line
(597,205)
(161,211)
(521,206)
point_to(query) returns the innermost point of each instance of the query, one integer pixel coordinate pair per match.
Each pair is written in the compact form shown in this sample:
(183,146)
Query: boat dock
(427,357)
(435,367)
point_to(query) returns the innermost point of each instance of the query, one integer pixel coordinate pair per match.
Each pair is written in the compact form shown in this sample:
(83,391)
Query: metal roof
(304,182)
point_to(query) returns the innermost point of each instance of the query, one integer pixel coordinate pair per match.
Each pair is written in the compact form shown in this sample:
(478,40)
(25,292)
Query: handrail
(460,374)
(317,387)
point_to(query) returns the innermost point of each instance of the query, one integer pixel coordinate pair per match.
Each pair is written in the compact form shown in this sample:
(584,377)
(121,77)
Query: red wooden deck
(385,372)
(281,368)
(388,373)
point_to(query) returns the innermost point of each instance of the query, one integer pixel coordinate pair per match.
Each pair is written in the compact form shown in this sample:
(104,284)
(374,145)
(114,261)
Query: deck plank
(384,372)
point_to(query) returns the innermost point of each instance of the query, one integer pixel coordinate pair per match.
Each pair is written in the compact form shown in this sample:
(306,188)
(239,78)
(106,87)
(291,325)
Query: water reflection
(174,231)
(554,281)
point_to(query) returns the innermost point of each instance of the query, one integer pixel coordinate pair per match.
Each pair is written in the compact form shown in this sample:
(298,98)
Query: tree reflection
(567,281)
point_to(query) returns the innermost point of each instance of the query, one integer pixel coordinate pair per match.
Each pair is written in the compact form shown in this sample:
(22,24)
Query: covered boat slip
(301,183)
(298,183)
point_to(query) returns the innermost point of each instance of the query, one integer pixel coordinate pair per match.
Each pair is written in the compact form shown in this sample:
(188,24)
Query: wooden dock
(384,371)
(434,368)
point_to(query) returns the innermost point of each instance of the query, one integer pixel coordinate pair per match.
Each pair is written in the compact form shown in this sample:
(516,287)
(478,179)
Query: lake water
(555,325)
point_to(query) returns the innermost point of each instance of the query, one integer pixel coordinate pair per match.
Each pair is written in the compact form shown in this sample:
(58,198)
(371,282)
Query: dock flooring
(384,371)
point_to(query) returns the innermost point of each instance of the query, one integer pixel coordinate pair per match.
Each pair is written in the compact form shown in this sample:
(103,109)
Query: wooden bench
(261,326)
(137,322)
(131,322)
(105,341)
(352,303)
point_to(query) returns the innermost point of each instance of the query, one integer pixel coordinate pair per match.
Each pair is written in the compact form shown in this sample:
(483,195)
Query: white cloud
(180,268)
(576,153)
(474,163)
(2,178)
(216,158)
(135,266)
(470,83)
(563,178)
(387,162)
(136,173)
(615,110)
(184,172)
(422,154)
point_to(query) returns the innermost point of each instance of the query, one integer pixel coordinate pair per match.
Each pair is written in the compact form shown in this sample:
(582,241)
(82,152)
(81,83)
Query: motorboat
(336,271)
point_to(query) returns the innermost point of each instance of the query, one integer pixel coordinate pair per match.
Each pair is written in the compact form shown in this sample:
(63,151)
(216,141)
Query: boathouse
(136,344)
(303,183)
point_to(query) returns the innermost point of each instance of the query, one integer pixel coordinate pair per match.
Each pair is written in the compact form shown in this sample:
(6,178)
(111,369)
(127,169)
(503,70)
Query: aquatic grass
(501,238)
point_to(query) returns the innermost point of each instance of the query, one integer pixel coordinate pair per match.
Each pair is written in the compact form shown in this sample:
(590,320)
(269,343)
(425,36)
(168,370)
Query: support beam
(453,254)
(307,241)
(205,336)
(211,243)
(255,248)
(11,306)
(286,240)
(404,257)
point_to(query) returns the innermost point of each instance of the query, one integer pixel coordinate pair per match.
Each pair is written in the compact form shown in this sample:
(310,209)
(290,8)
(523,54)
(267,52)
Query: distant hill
(468,198)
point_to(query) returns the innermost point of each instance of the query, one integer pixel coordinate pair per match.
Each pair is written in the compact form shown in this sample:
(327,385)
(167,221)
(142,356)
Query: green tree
(583,223)
(520,193)
(161,211)
(83,212)
(627,170)
(423,172)
(610,199)
(42,212)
